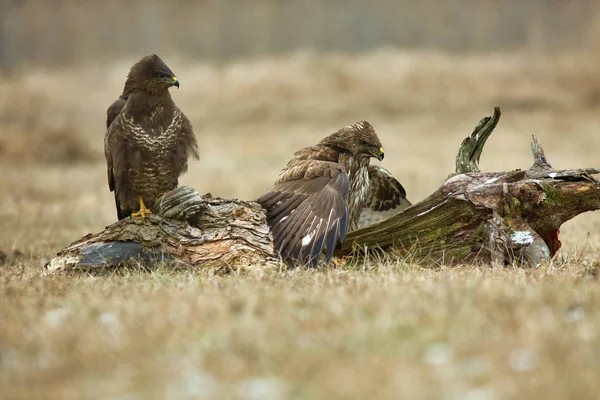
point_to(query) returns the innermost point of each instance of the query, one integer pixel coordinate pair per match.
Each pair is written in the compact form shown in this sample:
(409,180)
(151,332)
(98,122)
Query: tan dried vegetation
(388,329)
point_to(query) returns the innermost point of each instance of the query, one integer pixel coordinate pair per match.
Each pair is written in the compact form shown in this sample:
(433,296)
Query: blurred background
(262,78)
(61,32)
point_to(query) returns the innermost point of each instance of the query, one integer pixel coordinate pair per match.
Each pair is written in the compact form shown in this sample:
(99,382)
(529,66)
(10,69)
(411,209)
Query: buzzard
(149,140)
(323,190)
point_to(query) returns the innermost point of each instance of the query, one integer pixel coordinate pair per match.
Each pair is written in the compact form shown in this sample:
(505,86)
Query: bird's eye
(160,75)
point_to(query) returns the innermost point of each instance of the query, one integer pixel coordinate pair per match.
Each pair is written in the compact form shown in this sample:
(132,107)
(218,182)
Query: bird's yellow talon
(144,211)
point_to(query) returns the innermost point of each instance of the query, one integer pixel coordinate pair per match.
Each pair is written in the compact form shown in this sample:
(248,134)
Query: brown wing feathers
(307,211)
(188,146)
(115,108)
(386,197)
(385,191)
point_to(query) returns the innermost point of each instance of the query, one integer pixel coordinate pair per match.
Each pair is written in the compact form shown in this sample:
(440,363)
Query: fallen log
(186,230)
(499,217)
(496,217)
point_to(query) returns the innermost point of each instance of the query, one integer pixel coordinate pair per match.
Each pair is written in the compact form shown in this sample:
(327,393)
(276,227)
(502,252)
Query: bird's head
(151,74)
(359,139)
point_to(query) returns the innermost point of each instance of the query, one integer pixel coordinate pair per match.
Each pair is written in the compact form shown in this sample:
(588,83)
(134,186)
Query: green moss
(552,196)
(514,207)
(482,230)
(517,205)
(460,253)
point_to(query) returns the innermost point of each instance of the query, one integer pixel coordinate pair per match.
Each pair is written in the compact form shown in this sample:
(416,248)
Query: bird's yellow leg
(143,210)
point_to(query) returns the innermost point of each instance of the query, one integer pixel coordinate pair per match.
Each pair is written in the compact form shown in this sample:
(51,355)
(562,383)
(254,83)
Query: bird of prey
(322,191)
(149,141)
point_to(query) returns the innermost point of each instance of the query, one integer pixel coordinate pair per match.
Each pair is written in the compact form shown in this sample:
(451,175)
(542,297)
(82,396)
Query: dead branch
(469,153)
(486,217)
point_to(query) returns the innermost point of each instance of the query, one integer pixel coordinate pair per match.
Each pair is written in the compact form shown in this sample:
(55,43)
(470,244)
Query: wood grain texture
(187,229)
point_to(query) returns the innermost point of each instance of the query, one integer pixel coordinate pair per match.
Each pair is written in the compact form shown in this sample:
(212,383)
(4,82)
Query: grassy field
(377,332)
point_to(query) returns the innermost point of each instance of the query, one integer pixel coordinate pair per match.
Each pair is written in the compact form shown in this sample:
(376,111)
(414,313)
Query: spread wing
(188,146)
(114,110)
(386,197)
(307,210)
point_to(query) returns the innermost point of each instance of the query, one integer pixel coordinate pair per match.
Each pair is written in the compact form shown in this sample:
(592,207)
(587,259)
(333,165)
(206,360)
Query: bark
(474,216)
(486,217)
(185,229)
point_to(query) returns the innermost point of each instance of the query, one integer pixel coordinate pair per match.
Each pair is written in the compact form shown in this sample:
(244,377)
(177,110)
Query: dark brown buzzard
(148,142)
(322,192)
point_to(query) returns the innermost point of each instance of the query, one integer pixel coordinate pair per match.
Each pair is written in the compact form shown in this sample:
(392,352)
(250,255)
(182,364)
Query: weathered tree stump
(185,229)
(486,217)
(499,218)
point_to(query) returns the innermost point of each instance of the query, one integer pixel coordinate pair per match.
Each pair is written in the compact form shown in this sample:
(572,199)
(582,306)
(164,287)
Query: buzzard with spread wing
(148,140)
(322,192)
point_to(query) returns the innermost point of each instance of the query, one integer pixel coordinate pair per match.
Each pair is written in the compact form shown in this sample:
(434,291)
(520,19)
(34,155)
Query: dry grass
(393,330)
(381,332)
(37,129)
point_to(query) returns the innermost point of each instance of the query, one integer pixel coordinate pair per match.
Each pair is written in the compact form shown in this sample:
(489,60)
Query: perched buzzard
(322,192)
(148,142)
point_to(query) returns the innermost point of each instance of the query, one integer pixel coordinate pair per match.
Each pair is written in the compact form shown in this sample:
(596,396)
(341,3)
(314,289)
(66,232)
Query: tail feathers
(121,213)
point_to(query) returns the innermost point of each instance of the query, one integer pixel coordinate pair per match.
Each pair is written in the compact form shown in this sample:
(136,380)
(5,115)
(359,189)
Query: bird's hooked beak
(379,155)
(175,82)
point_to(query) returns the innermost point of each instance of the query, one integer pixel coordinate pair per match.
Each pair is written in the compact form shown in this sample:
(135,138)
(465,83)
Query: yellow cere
(174,78)
(380,150)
